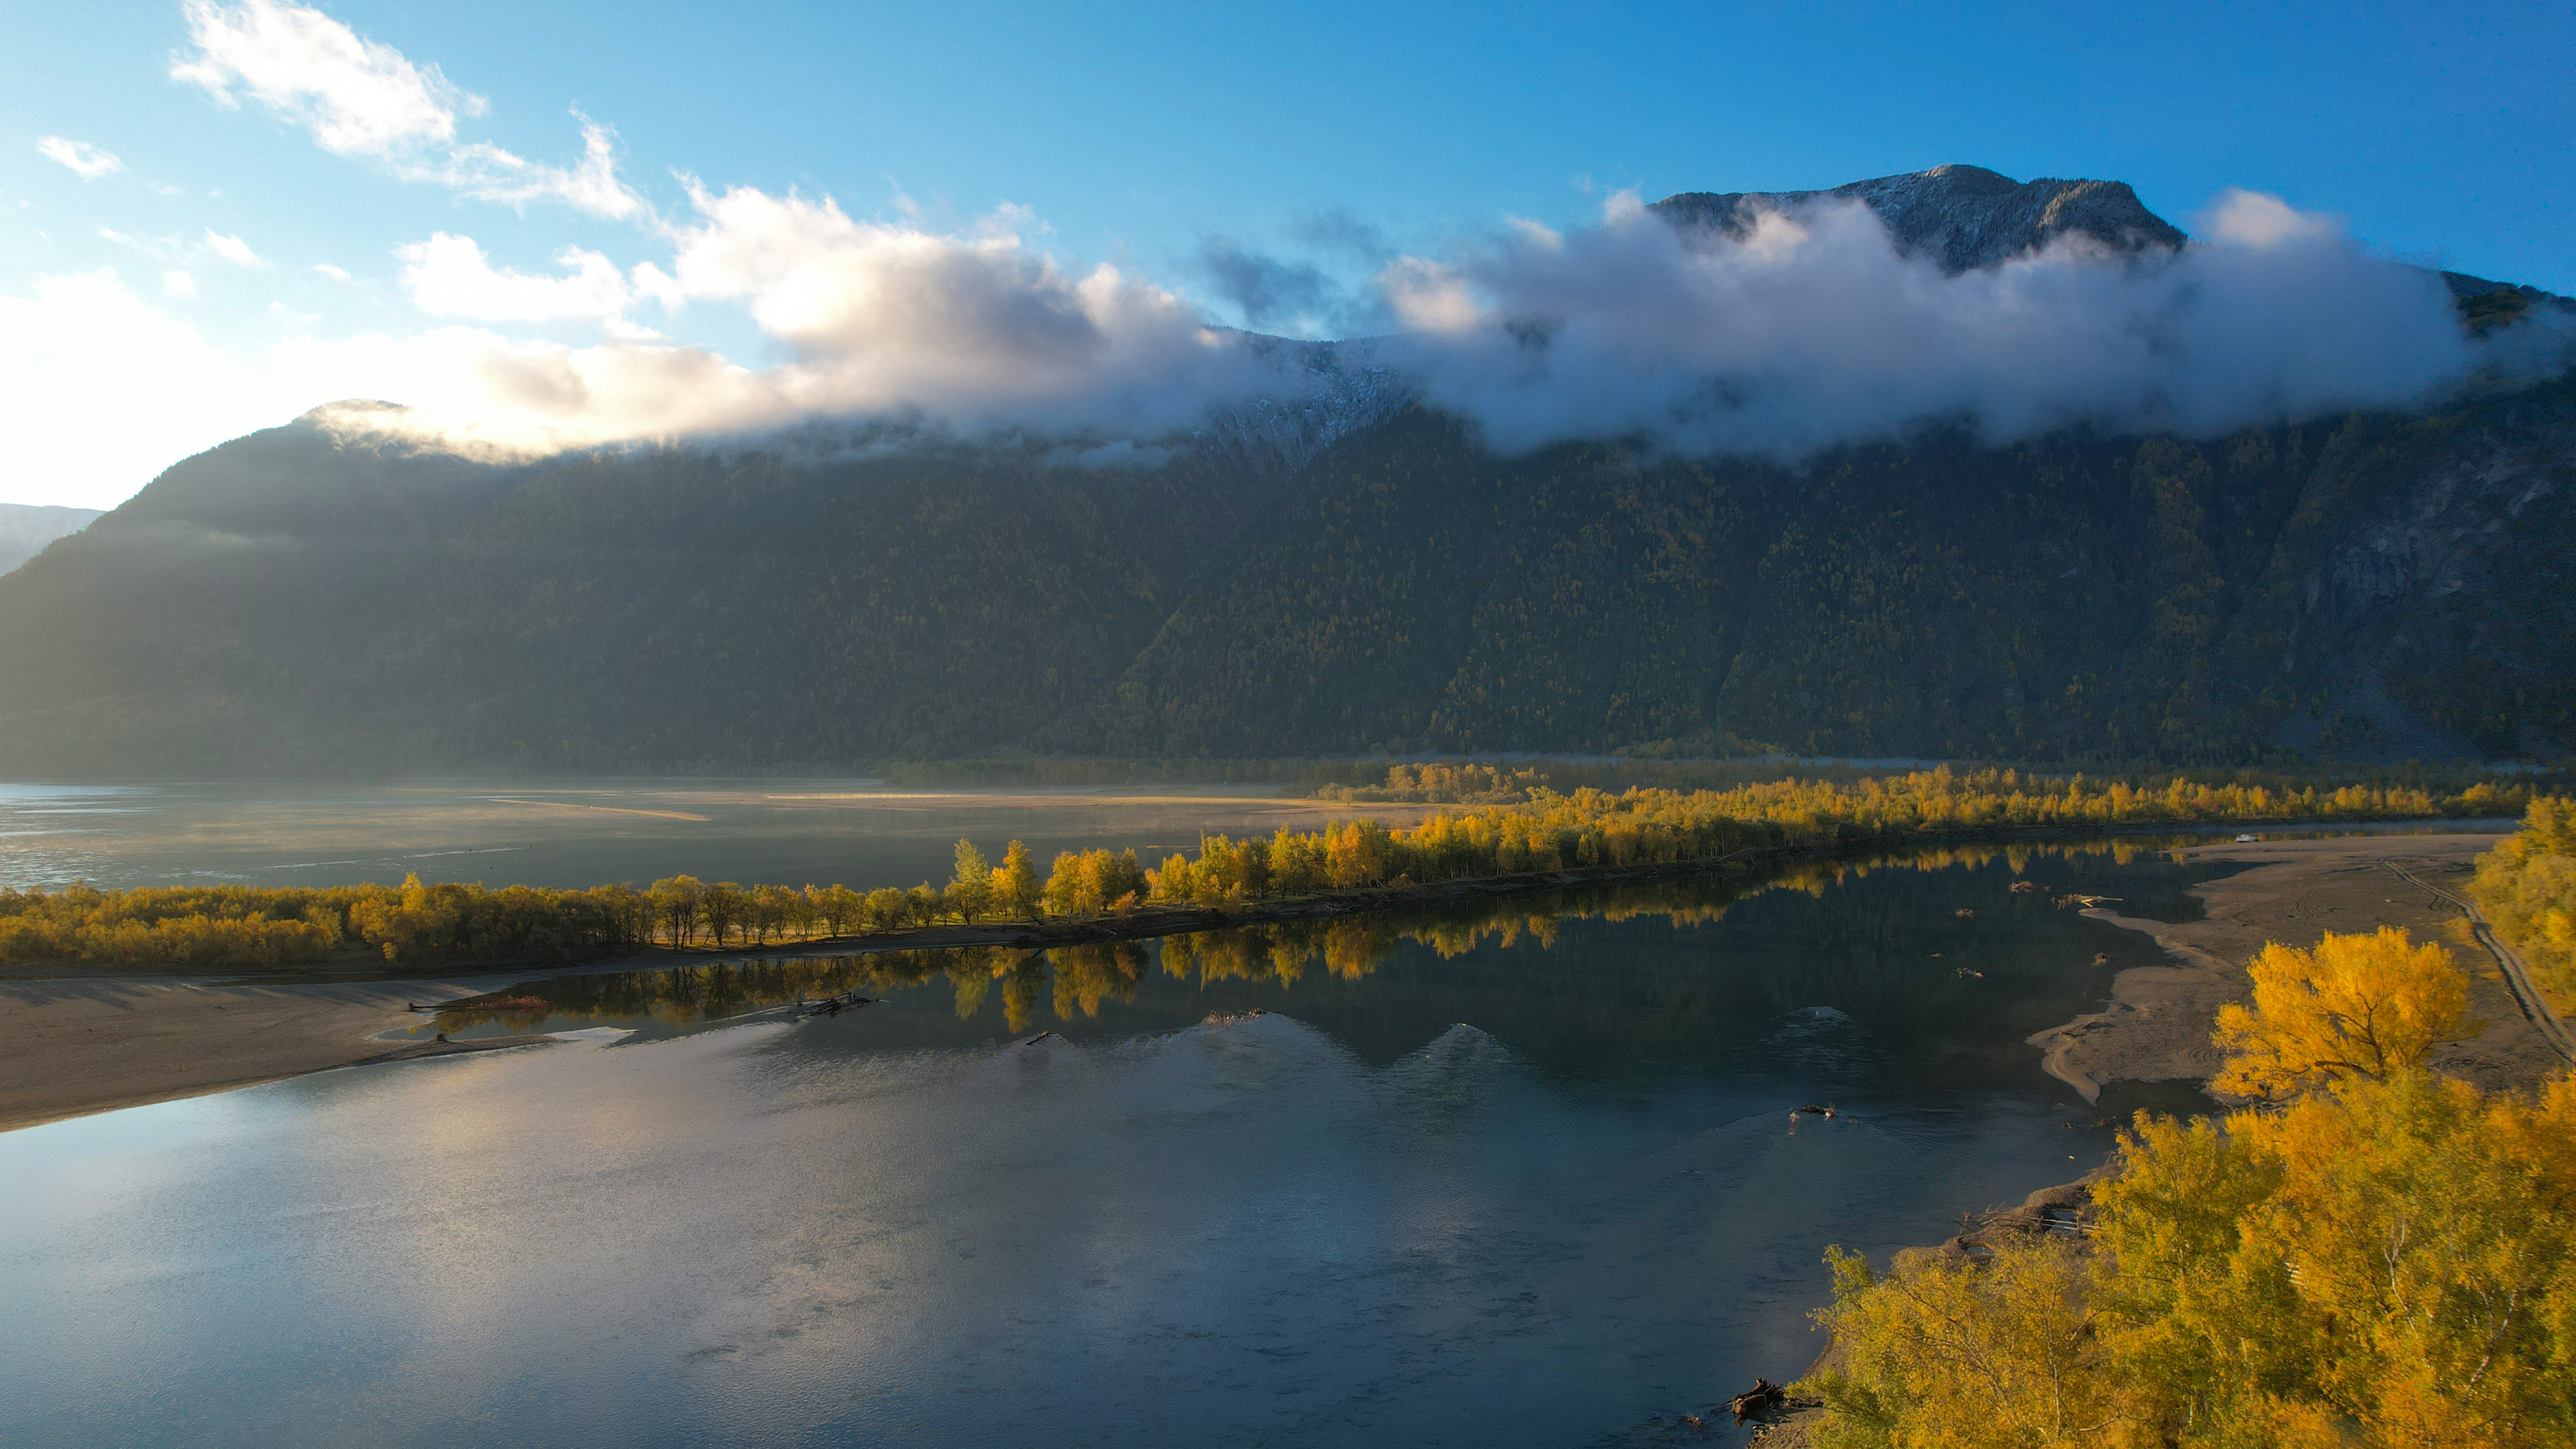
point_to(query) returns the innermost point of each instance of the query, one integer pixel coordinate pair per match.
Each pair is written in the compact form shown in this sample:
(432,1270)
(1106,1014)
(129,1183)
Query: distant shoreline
(1146,922)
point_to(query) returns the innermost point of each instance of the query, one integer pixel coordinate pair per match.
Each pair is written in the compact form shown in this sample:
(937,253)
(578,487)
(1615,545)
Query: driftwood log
(1762,1397)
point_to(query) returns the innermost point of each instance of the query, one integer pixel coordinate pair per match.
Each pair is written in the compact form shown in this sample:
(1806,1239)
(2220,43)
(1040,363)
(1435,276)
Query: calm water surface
(1521,1175)
(583,832)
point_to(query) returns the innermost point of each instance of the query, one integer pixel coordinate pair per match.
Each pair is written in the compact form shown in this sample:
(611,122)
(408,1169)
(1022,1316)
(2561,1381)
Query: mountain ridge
(1962,217)
(27,528)
(1336,570)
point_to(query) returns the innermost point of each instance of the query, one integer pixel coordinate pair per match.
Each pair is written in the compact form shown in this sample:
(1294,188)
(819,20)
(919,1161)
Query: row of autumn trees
(419,924)
(2527,886)
(1593,828)
(416,924)
(2367,1253)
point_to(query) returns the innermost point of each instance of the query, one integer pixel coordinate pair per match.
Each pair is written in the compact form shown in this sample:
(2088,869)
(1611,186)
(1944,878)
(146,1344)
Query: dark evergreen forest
(2372,586)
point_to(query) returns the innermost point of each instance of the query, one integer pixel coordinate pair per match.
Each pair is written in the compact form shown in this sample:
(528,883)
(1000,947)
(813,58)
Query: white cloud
(967,330)
(485,172)
(336,274)
(2252,219)
(1810,331)
(449,276)
(87,160)
(1813,330)
(1426,296)
(364,99)
(124,389)
(357,97)
(969,325)
(178,283)
(232,249)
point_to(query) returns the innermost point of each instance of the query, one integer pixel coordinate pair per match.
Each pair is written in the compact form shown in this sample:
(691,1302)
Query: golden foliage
(2387,1260)
(1591,828)
(2392,1260)
(2380,1264)
(2527,887)
(416,924)
(1991,1355)
(2368,1006)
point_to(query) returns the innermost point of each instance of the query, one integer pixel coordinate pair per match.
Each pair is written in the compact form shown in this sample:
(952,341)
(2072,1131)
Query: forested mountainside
(2363,586)
(1342,571)
(26,528)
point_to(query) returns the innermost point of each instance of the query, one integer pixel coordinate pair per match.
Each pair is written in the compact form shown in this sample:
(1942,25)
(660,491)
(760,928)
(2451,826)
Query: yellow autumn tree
(1940,1350)
(2355,1006)
(2381,1258)
(2376,1265)
(2425,1229)
(2528,887)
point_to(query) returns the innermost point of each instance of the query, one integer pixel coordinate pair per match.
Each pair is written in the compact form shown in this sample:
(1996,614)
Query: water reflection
(1945,931)
(1512,1171)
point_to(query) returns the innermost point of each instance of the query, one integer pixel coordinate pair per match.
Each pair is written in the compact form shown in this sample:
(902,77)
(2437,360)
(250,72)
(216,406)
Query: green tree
(970,890)
(677,902)
(723,908)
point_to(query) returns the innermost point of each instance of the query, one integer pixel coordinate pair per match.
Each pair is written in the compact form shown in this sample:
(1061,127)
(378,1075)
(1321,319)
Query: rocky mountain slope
(1964,217)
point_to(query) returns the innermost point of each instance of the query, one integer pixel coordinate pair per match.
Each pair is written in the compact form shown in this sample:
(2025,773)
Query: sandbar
(2157,1027)
(93,1044)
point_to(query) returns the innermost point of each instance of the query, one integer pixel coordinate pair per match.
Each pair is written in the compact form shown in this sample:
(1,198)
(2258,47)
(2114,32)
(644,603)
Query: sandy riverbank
(75,1046)
(2158,1025)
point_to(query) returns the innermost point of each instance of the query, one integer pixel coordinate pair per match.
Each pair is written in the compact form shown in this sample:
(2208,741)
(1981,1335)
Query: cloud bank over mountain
(1808,325)
(1810,329)
(1813,329)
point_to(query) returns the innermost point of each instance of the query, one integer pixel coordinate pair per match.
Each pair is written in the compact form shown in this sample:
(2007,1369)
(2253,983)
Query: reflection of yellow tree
(1286,955)
(1281,952)
(1020,981)
(973,984)
(1086,974)
(1356,947)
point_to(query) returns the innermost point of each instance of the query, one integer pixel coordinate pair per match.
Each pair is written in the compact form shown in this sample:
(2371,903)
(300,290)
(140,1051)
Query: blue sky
(241,258)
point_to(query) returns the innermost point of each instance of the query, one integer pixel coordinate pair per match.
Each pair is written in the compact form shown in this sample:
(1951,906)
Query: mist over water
(1516,1175)
(574,833)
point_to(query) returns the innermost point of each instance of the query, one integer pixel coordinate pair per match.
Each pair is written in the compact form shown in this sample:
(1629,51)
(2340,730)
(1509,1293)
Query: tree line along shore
(2362,1254)
(418,926)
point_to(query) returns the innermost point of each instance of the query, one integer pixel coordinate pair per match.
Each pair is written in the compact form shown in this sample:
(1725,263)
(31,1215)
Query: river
(586,832)
(1516,1174)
